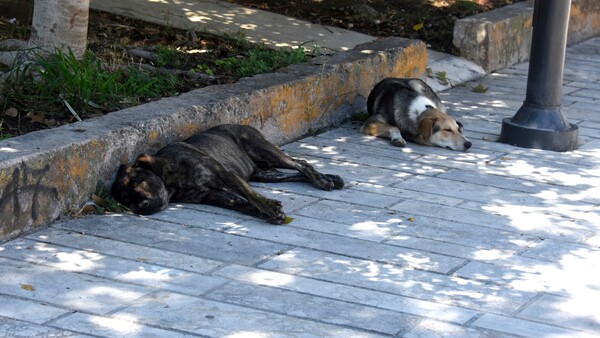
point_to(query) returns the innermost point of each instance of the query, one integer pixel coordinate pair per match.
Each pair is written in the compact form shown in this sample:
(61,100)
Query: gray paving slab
(17,329)
(525,328)
(217,319)
(348,293)
(317,308)
(66,289)
(388,278)
(118,269)
(571,312)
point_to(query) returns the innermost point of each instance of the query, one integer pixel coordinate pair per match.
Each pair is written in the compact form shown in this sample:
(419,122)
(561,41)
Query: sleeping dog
(213,168)
(402,109)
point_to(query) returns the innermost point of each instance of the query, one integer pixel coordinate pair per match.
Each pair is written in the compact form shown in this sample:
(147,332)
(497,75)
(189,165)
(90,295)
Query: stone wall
(502,37)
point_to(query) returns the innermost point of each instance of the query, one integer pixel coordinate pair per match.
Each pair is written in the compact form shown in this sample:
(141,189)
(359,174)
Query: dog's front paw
(338,182)
(398,142)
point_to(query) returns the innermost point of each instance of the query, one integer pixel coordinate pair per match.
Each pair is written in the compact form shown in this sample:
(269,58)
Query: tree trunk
(60,24)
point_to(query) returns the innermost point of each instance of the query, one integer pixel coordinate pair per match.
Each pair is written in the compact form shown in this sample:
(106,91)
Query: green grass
(60,79)
(261,59)
(3,135)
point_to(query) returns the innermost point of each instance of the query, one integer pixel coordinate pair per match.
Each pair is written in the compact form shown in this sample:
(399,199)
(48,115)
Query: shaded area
(429,20)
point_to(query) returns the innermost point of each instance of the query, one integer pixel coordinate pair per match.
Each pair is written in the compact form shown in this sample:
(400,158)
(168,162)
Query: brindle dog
(213,168)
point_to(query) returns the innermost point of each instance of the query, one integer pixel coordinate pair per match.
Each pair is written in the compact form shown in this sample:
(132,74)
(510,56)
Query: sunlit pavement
(498,241)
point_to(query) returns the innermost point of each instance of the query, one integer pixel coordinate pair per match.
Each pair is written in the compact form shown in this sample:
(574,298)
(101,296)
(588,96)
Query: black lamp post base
(526,137)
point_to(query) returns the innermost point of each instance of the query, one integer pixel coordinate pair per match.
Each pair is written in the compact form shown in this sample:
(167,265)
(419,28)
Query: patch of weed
(167,57)
(83,87)
(261,59)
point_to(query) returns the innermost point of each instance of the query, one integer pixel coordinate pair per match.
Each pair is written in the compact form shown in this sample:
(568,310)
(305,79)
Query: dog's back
(401,101)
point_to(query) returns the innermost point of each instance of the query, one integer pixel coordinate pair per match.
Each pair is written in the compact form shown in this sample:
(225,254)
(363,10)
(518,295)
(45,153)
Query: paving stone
(522,273)
(111,327)
(207,317)
(434,329)
(100,265)
(529,224)
(325,310)
(18,329)
(404,194)
(33,312)
(559,251)
(344,195)
(489,188)
(524,328)
(348,213)
(62,288)
(376,231)
(388,278)
(125,250)
(450,249)
(383,158)
(348,293)
(477,238)
(181,239)
(350,247)
(579,313)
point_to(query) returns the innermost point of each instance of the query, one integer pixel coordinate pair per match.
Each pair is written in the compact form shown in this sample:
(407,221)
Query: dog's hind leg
(376,125)
(267,156)
(229,200)
(273,175)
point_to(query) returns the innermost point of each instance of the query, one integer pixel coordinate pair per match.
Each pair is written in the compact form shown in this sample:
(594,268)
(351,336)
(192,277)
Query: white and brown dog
(402,109)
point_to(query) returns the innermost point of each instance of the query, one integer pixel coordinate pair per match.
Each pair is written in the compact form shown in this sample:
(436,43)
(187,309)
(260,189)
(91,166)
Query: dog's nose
(468,145)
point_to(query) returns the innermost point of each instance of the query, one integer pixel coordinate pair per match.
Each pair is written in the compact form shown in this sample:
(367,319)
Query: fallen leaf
(35,117)
(88,209)
(480,88)
(142,259)
(411,219)
(27,287)
(287,220)
(418,27)
(97,199)
(11,112)
(504,158)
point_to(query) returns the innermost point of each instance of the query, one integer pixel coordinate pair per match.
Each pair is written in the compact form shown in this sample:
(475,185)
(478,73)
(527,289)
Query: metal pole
(539,123)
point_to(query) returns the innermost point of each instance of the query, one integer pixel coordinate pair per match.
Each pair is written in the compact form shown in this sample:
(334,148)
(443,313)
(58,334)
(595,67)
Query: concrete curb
(47,174)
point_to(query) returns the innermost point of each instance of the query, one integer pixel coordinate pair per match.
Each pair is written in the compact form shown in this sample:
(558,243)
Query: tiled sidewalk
(499,241)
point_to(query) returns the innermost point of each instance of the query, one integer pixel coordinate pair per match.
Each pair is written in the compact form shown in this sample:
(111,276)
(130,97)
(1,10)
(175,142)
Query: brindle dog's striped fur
(213,168)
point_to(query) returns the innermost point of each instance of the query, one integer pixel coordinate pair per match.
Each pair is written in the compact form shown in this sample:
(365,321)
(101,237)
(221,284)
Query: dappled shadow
(223,18)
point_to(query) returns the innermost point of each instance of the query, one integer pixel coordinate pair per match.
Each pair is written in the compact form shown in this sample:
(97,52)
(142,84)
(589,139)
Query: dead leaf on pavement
(480,88)
(27,287)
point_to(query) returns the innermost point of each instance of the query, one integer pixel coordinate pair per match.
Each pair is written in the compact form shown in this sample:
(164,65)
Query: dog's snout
(467,145)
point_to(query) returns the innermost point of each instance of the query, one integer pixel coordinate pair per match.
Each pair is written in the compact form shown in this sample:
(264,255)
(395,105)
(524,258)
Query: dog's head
(139,187)
(438,129)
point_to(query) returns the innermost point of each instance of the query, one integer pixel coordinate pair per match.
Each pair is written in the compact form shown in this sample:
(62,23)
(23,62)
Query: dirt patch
(160,61)
(431,21)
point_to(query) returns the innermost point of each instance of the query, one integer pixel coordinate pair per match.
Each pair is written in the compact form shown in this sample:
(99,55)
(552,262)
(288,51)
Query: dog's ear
(426,128)
(147,162)
(460,127)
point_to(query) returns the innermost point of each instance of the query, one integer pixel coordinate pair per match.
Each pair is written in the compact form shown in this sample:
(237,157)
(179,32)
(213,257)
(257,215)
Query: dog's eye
(448,129)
